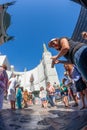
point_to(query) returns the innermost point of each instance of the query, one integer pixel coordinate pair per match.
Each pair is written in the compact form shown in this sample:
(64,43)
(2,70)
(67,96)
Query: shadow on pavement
(65,120)
(13,120)
(43,119)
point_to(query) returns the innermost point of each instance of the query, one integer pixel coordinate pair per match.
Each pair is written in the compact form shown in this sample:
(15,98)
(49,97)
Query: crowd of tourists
(73,85)
(72,88)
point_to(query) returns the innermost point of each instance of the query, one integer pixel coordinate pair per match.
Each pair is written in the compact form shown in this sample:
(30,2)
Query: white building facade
(39,76)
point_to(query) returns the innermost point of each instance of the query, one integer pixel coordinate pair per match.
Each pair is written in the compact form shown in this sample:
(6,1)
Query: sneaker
(82,108)
(67,106)
(75,105)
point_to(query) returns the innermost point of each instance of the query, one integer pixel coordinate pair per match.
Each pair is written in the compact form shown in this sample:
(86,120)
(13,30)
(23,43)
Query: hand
(56,61)
(54,58)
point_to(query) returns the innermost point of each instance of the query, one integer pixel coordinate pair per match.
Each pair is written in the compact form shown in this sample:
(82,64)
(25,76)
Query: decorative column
(25,78)
(32,83)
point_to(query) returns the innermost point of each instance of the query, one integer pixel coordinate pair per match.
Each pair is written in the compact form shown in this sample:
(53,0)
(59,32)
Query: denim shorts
(43,99)
(80,60)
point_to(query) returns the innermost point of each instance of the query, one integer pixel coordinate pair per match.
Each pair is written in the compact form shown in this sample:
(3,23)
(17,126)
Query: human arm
(59,61)
(69,84)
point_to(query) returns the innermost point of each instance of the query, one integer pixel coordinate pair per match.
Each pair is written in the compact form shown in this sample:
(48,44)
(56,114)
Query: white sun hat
(50,42)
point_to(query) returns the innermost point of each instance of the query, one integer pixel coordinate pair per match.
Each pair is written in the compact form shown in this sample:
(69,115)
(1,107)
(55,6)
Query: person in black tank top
(74,53)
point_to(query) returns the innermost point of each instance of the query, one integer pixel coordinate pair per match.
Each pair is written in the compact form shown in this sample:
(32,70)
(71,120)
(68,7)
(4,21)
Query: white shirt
(12,85)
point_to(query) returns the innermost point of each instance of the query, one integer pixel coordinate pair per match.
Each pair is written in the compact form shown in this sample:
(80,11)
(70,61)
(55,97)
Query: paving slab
(37,118)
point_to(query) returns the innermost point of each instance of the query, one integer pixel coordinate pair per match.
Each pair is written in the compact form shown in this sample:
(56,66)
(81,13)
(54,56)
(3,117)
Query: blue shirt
(75,74)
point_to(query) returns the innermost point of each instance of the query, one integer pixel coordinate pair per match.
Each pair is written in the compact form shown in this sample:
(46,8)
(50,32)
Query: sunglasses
(54,44)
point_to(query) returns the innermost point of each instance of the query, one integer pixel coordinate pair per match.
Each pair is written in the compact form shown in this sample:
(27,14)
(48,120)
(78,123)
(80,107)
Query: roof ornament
(45,48)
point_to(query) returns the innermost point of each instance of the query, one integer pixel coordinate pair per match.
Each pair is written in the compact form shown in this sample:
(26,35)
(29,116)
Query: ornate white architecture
(39,76)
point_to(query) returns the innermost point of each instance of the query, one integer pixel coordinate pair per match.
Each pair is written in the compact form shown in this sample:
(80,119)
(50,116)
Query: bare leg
(83,99)
(11,103)
(66,101)
(85,92)
(14,105)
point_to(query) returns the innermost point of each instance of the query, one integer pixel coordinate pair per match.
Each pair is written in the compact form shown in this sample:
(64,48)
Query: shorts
(73,89)
(43,99)
(80,85)
(64,93)
(80,61)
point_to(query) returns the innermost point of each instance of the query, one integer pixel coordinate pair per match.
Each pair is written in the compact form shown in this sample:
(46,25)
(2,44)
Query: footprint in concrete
(15,119)
(25,119)
(43,122)
(15,126)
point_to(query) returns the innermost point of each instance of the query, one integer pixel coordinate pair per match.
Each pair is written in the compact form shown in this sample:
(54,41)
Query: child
(30,97)
(25,98)
(43,97)
(64,93)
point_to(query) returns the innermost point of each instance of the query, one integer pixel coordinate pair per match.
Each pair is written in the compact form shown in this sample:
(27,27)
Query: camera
(52,64)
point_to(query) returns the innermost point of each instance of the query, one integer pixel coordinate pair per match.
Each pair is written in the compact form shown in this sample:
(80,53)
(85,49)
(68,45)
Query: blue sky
(33,23)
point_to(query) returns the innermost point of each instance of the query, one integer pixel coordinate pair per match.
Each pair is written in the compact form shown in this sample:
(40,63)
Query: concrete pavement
(37,118)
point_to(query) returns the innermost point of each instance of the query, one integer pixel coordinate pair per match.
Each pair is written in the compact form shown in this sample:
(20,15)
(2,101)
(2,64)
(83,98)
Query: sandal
(82,108)
(66,106)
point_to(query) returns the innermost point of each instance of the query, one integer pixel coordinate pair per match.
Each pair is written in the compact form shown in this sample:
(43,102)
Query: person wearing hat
(74,53)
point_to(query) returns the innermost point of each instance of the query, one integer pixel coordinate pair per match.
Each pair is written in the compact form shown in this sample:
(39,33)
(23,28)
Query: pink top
(51,90)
